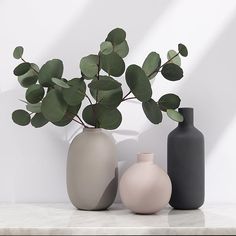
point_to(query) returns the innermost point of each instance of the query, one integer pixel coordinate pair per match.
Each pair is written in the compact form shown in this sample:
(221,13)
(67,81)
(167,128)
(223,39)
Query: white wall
(32,161)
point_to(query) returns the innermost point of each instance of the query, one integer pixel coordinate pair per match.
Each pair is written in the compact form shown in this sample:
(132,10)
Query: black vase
(186,164)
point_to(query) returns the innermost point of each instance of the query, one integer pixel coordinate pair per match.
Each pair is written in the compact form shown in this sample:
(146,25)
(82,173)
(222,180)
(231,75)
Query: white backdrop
(32,161)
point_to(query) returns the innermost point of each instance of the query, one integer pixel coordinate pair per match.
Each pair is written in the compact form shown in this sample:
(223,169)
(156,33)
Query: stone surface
(63,219)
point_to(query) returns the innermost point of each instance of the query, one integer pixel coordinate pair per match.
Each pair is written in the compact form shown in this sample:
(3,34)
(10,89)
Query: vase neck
(145,157)
(188,117)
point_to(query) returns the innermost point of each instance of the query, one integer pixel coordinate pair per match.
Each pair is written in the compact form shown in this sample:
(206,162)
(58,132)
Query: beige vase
(145,188)
(92,176)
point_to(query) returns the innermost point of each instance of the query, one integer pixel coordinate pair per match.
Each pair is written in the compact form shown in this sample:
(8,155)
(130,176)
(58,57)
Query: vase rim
(92,129)
(185,108)
(145,157)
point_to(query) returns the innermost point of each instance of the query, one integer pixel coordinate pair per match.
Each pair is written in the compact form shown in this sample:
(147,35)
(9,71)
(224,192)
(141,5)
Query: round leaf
(21,117)
(91,113)
(113,64)
(18,52)
(38,120)
(175,115)
(138,83)
(116,36)
(169,101)
(34,93)
(51,69)
(22,69)
(151,64)
(53,106)
(89,65)
(104,83)
(152,111)
(110,119)
(35,108)
(172,72)
(183,50)
(176,59)
(122,49)
(76,93)
(60,83)
(106,48)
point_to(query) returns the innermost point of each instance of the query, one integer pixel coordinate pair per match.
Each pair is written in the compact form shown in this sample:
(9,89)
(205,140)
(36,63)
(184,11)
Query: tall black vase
(186,164)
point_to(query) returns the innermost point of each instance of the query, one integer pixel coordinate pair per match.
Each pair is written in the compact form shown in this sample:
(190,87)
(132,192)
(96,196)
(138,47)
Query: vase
(186,164)
(92,175)
(145,188)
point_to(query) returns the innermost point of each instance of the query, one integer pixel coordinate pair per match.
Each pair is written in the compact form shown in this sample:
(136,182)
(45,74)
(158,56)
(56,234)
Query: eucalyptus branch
(123,99)
(81,121)
(98,77)
(30,65)
(128,99)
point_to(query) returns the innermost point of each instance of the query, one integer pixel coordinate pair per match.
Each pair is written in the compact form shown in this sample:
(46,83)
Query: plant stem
(81,121)
(30,65)
(98,77)
(123,99)
(128,99)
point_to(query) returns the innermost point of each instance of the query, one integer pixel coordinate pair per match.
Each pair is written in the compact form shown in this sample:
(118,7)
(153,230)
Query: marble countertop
(63,219)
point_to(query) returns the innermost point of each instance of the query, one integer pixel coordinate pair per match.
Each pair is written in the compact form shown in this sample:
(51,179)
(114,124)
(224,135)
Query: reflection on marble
(63,219)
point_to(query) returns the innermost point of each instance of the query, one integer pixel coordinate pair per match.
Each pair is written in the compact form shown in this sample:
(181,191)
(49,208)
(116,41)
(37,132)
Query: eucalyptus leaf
(22,69)
(122,49)
(175,115)
(169,101)
(172,72)
(91,113)
(53,106)
(60,83)
(51,69)
(21,117)
(152,111)
(138,83)
(18,52)
(34,108)
(104,83)
(116,36)
(34,93)
(151,64)
(113,64)
(110,119)
(106,47)
(183,50)
(176,58)
(38,120)
(89,65)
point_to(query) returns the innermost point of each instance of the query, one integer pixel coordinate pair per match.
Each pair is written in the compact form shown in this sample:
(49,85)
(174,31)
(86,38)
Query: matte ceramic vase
(92,176)
(186,165)
(145,188)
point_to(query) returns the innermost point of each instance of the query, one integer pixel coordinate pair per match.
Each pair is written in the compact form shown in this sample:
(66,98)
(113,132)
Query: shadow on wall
(98,18)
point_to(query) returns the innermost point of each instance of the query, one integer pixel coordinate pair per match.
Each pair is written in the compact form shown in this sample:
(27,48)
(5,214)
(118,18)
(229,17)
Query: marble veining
(64,219)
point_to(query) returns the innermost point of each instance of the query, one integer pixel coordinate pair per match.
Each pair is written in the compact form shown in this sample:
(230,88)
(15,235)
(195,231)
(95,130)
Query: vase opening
(145,157)
(187,113)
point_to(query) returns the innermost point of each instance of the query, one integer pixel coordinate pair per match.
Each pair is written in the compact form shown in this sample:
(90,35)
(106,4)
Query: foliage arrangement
(52,98)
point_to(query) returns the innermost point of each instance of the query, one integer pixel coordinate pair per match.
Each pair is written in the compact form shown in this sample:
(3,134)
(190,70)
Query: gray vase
(186,164)
(92,176)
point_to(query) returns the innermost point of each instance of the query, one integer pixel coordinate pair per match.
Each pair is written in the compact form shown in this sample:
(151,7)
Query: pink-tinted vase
(145,188)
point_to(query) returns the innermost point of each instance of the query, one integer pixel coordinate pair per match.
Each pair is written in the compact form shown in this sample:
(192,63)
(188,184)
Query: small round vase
(145,188)
(92,175)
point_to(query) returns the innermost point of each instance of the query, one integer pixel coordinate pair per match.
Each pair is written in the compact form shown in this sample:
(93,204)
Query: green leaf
(138,83)
(22,69)
(152,111)
(110,119)
(122,49)
(21,117)
(151,64)
(89,65)
(183,50)
(60,83)
(116,36)
(113,64)
(172,72)
(38,120)
(91,113)
(35,108)
(34,93)
(106,48)
(175,115)
(51,69)
(70,114)
(53,106)
(169,101)
(104,83)
(176,60)
(18,52)
(76,93)
(30,77)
